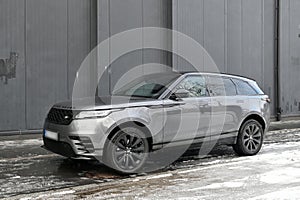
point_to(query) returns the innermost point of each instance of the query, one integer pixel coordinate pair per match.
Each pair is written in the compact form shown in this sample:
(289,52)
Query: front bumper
(61,148)
(81,139)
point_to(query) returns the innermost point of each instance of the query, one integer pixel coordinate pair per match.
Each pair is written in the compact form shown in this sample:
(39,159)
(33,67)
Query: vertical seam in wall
(143,52)
(226,36)
(68,51)
(203,22)
(25,59)
(242,35)
(89,39)
(263,43)
(177,29)
(94,34)
(109,50)
(289,49)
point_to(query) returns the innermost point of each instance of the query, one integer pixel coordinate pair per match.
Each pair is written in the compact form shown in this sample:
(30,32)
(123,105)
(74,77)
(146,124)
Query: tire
(127,150)
(250,138)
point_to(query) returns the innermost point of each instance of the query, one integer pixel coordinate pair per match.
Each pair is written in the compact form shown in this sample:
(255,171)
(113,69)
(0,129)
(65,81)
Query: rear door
(225,109)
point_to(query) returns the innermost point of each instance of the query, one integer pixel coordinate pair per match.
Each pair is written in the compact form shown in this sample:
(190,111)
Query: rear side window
(243,88)
(230,88)
(216,86)
(221,86)
(257,88)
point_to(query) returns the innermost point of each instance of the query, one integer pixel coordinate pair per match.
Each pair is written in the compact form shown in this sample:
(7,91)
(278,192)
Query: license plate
(51,135)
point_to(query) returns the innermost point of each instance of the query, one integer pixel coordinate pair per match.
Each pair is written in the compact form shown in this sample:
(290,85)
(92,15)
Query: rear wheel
(250,138)
(127,150)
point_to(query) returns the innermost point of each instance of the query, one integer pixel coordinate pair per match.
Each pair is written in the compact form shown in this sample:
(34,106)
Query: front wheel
(127,150)
(250,139)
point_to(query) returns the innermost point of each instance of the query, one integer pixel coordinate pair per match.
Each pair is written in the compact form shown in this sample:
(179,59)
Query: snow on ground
(15,143)
(273,174)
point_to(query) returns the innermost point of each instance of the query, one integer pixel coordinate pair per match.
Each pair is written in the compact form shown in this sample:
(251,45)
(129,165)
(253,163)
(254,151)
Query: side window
(216,86)
(244,88)
(221,86)
(195,85)
(230,88)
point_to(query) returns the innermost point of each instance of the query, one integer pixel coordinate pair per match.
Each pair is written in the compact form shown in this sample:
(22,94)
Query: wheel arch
(136,124)
(256,117)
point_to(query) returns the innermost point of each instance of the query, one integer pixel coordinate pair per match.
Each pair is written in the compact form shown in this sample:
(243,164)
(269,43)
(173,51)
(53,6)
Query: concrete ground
(29,172)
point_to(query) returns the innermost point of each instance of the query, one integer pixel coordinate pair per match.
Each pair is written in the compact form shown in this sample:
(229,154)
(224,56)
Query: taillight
(268,100)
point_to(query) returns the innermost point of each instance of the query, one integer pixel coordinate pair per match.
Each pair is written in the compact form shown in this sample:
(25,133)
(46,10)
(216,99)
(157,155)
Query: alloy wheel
(129,151)
(252,137)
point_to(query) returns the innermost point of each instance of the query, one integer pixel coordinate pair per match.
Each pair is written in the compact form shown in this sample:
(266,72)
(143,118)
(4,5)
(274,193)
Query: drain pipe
(278,109)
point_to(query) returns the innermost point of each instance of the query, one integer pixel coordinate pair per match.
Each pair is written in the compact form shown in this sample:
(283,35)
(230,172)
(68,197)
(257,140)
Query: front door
(188,118)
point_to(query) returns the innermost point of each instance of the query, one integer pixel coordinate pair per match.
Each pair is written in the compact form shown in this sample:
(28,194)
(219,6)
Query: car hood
(106,102)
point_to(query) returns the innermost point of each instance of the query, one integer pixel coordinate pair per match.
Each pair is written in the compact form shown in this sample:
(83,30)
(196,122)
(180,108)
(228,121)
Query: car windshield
(148,86)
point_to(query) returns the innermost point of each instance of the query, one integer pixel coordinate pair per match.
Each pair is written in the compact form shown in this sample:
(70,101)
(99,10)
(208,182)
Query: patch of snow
(15,143)
(219,185)
(282,176)
(64,192)
(289,193)
(26,198)
(159,176)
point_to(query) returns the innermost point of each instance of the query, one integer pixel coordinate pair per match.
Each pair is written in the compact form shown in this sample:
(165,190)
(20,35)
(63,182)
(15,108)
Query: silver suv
(158,111)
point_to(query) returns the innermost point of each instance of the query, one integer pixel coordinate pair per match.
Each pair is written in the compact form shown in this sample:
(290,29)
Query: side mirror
(179,94)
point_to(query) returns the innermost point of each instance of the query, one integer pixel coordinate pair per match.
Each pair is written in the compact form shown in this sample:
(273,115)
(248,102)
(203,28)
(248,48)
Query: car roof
(219,74)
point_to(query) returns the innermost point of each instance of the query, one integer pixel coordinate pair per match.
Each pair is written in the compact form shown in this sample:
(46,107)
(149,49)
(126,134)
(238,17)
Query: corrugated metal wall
(290,57)
(52,37)
(238,34)
(13,95)
(116,16)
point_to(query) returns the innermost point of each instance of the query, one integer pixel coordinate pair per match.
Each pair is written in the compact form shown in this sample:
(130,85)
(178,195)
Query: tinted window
(257,88)
(244,88)
(216,86)
(221,86)
(230,88)
(195,85)
(149,86)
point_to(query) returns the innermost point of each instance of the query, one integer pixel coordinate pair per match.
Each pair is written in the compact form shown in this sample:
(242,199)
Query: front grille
(60,116)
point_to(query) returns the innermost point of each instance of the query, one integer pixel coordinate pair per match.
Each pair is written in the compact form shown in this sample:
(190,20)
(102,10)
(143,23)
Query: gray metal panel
(295,57)
(12,95)
(157,13)
(269,48)
(237,34)
(252,39)
(284,54)
(82,37)
(129,14)
(188,18)
(290,57)
(214,32)
(125,15)
(234,37)
(79,37)
(103,33)
(46,57)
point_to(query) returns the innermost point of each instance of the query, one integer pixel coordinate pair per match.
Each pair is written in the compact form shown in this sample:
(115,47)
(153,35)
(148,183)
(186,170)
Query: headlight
(93,114)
